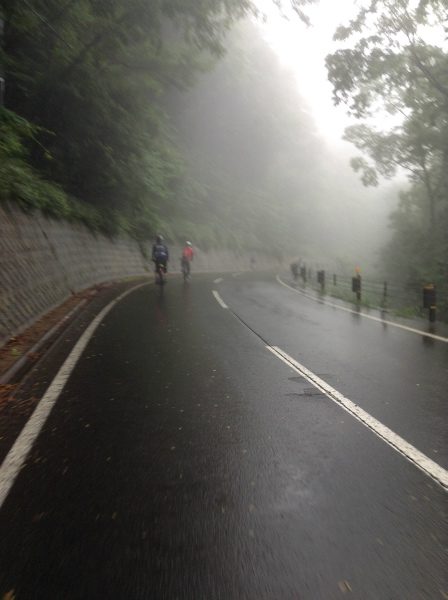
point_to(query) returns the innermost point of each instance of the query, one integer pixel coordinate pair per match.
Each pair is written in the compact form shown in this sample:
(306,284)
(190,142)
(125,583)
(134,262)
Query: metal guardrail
(403,298)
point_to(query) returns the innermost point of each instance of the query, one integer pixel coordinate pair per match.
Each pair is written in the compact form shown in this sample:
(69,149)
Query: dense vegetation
(396,61)
(86,81)
(130,118)
(87,132)
(268,180)
(142,116)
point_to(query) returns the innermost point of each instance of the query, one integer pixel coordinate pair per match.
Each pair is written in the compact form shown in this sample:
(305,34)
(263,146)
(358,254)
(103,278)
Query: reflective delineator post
(385,293)
(430,300)
(321,280)
(356,286)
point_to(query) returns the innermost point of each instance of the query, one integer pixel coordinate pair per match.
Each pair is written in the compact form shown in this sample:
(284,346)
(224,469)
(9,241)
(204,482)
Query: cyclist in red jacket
(187,257)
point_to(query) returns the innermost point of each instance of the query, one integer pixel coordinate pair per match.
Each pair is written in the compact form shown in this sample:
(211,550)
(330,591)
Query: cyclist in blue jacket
(160,254)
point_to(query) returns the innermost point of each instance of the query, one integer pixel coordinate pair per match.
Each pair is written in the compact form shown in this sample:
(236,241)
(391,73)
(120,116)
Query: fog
(270,175)
(209,123)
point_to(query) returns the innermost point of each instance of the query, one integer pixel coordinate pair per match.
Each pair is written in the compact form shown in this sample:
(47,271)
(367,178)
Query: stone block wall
(43,261)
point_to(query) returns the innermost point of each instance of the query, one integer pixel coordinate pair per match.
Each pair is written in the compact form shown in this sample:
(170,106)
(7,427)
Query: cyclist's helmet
(159,239)
(188,243)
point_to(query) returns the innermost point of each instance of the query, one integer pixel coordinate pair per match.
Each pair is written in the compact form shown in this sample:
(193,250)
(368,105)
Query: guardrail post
(385,293)
(321,280)
(430,300)
(356,286)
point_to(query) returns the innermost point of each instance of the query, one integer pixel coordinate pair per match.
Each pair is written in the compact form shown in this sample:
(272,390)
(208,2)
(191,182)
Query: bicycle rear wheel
(160,277)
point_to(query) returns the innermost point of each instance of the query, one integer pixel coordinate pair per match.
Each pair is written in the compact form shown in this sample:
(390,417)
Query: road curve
(182,459)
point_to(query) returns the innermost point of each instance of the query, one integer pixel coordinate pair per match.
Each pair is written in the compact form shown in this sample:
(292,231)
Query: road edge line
(15,459)
(219,300)
(439,338)
(399,444)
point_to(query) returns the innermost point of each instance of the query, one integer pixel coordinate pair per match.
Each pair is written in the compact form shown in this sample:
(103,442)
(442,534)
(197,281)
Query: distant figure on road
(295,269)
(187,257)
(160,254)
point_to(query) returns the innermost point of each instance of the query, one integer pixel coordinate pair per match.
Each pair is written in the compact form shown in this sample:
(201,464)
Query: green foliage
(21,183)
(93,76)
(392,65)
(414,257)
(396,61)
(96,79)
(18,180)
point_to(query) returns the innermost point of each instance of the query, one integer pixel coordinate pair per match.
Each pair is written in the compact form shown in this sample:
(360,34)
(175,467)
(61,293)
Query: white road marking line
(17,455)
(360,314)
(218,280)
(219,299)
(420,460)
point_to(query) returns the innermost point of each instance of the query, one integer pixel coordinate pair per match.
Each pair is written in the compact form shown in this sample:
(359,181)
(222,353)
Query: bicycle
(185,267)
(160,273)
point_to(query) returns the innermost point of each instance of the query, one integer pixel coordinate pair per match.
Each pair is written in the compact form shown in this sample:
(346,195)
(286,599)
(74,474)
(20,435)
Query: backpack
(160,252)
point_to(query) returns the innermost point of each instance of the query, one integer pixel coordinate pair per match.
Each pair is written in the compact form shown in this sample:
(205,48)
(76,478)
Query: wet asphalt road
(184,461)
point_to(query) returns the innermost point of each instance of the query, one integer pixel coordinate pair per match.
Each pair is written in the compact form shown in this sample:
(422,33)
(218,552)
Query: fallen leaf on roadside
(344,586)
(6,391)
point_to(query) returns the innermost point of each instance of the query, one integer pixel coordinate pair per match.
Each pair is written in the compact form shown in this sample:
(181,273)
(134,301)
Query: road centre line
(218,280)
(360,314)
(417,458)
(399,444)
(219,299)
(17,455)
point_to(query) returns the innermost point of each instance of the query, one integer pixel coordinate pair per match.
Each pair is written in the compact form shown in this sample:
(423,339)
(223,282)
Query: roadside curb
(18,452)
(6,377)
(18,369)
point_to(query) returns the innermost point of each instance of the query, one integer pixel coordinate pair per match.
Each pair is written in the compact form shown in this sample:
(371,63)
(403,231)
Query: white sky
(303,50)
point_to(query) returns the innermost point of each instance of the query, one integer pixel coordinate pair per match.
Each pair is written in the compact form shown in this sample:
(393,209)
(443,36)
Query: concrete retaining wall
(43,261)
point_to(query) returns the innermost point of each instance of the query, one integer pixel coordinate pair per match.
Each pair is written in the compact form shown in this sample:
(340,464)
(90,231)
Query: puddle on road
(306,393)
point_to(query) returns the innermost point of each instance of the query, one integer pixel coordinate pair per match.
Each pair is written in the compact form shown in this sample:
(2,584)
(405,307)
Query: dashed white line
(411,453)
(219,299)
(360,314)
(218,280)
(16,457)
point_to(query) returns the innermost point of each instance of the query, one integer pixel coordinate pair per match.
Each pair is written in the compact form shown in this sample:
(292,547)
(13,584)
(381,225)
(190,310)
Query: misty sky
(303,49)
